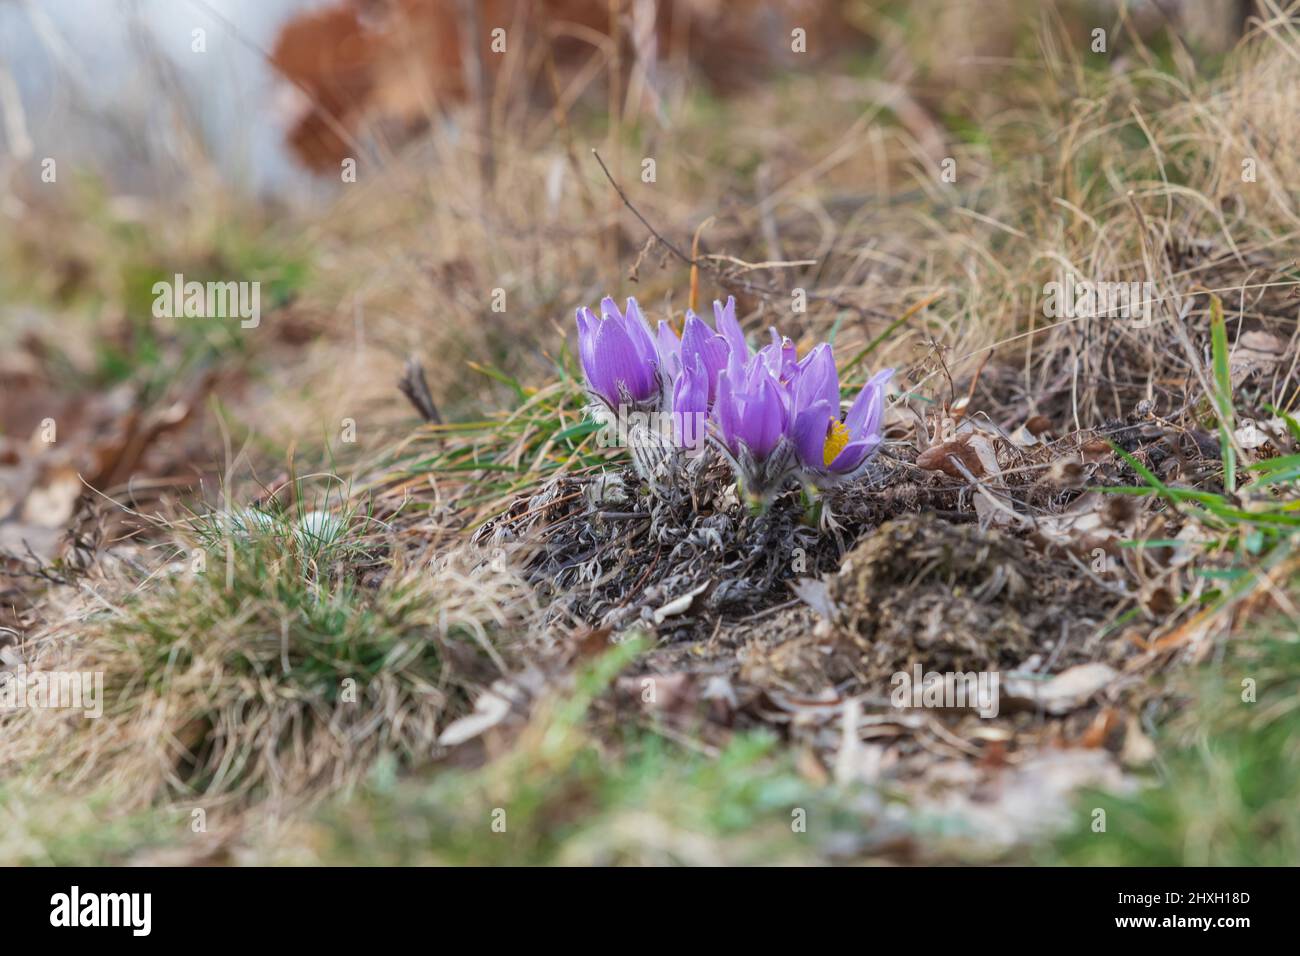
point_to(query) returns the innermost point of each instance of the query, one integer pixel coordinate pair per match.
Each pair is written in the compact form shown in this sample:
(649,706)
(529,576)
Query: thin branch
(636,212)
(731,283)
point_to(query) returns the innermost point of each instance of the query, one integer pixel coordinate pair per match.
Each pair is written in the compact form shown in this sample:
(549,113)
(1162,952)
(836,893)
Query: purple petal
(670,351)
(724,320)
(817,381)
(609,309)
(765,419)
(789,359)
(698,340)
(691,390)
(854,453)
(809,434)
(587,326)
(639,332)
(864,416)
(786,356)
(770,355)
(725,411)
(691,403)
(616,361)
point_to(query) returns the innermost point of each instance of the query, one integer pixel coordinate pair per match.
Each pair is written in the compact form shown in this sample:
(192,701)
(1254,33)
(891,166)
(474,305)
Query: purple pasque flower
(690,404)
(831,450)
(752,420)
(618,355)
(772,415)
(713,347)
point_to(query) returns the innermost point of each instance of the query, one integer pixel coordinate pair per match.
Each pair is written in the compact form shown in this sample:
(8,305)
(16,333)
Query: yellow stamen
(837,436)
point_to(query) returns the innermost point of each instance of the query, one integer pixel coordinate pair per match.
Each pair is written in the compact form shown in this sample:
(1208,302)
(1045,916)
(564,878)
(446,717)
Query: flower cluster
(773,415)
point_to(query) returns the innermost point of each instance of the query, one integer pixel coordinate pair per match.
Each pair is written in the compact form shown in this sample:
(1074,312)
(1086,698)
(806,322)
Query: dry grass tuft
(271,676)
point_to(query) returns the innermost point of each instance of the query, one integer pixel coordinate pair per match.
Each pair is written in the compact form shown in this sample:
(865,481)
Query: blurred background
(112,85)
(116,84)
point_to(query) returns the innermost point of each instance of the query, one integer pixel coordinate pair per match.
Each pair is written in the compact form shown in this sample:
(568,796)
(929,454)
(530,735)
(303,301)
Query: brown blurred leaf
(939,458)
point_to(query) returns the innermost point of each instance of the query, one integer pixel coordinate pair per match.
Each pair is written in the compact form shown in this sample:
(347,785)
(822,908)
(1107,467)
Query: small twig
(634,271)
(730,283)
(416,389)
(752,266)
(1023,520)
(769,611)
(974,382)
(636,212)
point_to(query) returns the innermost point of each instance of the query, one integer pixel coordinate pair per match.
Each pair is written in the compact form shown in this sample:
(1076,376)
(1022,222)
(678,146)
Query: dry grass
(283,673)
(1127,177)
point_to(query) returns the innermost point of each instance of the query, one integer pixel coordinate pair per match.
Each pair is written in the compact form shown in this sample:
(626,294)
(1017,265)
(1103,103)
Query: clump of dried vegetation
(1098,508)
(269,670)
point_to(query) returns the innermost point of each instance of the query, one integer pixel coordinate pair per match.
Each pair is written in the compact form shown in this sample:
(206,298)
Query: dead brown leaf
(940,457)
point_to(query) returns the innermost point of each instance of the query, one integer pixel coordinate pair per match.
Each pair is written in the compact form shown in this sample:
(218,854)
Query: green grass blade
(1223,392)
